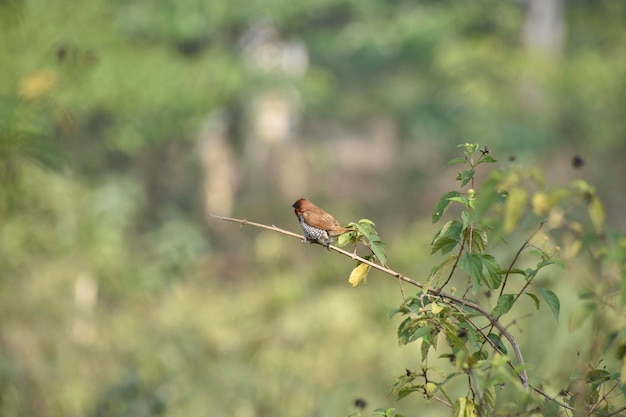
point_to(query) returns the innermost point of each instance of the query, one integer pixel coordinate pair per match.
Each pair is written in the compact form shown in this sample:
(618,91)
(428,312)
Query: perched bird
(317,225)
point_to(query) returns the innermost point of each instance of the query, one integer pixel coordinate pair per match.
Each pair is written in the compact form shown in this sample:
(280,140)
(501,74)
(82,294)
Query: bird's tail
(341,230)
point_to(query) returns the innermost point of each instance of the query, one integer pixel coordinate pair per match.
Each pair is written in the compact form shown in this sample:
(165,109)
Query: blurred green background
(124,123)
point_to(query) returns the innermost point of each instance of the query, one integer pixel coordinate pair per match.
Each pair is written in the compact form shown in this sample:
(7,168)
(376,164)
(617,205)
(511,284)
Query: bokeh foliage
(117,298)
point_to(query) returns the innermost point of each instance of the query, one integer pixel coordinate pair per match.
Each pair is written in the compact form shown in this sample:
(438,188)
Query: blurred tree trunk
(544,26)
(543,32)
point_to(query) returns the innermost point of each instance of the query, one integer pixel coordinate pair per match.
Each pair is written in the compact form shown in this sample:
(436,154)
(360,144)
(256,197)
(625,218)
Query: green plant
(470,329)
(461,315)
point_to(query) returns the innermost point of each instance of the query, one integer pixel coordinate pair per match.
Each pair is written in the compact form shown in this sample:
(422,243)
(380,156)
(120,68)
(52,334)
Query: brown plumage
(317,224)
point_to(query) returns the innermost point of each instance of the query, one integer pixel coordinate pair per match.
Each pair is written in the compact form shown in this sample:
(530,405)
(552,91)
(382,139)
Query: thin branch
(517,255)
(494,346)
(456,262)
(619,410)
(543,394)
(523,376)
(442,401)
(245,222)
(605,398)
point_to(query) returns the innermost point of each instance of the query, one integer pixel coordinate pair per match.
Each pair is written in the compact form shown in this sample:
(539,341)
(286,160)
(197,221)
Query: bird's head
(300,205)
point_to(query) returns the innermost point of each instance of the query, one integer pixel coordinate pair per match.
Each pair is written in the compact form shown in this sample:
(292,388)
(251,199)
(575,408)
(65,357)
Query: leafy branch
(477,340)
(458,303)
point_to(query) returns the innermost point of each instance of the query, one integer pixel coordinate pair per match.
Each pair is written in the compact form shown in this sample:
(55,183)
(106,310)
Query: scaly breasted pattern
(317,224)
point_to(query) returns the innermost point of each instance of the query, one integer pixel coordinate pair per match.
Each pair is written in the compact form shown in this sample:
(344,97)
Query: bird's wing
(322,221)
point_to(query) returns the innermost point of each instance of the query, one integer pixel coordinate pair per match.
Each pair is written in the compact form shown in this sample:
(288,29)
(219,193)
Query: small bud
(577,162)
(360,403)
(430,387)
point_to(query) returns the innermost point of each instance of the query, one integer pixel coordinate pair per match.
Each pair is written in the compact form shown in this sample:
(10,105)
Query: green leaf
(455,161)
(515,271)
(446,245)
(472,264)
(463,407)
(514,208)
(366,229)
(424,348)
(493,273)
(497,340)
(470,148)
(487,159)
(551,261)
(410,330)
(597,377)
(461,200)
(442,205)
(552,300)
(479,240)
(437,271)
(505,302)
(597,214)
(429,340)
(346,238)
(378,247)
(452,334)
(465,176)
(447,238)
(489,397)
(530,273)
(393,312)
(415,303)
(467,219)
(535,299)
(404,391)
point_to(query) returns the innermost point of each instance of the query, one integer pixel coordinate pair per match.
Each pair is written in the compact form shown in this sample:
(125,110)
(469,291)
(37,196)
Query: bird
(317,224)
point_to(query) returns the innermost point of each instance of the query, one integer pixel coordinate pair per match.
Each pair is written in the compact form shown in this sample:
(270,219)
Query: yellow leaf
(436,308)
(511,180)
(359,274)
(514,208)
(557,196)
(463,407)
(345,238)
(596,213)
(556,217)
(431,387)
(572,249)
(536,174)
(37,83)
(540,204)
